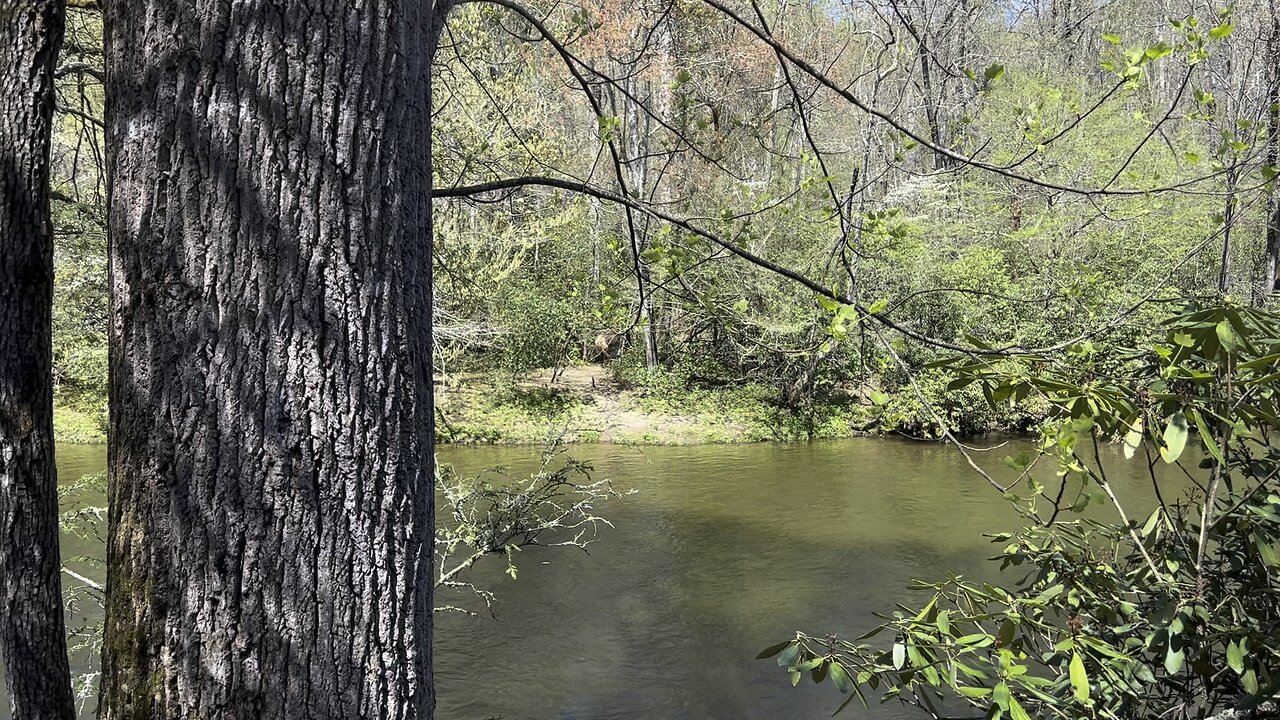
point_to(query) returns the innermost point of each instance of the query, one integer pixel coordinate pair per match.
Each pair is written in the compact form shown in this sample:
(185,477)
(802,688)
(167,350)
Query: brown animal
(608,346)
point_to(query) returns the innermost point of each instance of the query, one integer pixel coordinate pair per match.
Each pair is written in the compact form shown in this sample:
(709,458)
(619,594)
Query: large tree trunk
(33,645)
(270,460)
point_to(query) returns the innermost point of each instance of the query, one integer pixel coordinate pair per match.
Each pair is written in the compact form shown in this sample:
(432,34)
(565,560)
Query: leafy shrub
(540,328)
(1174,614)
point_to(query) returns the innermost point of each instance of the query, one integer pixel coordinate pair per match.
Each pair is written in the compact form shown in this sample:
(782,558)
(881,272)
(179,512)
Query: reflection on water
(722,551)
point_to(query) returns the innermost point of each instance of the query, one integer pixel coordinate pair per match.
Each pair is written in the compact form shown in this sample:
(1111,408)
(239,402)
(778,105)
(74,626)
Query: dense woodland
(261,245)
(1001,174)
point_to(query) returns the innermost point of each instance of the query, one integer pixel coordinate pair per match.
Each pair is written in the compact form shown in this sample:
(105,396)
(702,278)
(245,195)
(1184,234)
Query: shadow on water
(722,551)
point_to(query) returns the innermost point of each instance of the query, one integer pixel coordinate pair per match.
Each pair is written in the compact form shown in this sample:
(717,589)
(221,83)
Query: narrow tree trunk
(33,645)
(775,157)
(1271,283)
(930,104)
(1228,222)
(636,122)
(270,460)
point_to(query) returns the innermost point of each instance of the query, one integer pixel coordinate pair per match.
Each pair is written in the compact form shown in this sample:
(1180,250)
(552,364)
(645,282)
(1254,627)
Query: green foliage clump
(1173,613)
(540,330)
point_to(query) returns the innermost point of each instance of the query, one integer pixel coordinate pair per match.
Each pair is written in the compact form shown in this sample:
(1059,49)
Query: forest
(367,313)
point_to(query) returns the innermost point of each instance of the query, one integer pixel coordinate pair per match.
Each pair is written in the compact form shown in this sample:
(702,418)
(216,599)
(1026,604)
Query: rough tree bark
(32,638)
(270,459)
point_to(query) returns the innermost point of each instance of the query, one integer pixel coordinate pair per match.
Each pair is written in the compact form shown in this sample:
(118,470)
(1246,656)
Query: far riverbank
(586,404)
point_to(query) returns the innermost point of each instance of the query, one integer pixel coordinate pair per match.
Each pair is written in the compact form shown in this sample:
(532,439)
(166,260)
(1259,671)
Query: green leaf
(899,655)
(973,692)
(773,650)
(994,72)
(1001,696)
(607,125)
(1173,660)
(1221,31)
(1266,550)
(1226,335)
(840,678)
(810,664)
(1175,438)
(977,640)
(789,655)
(1079,678)
(1235,658)
(1111,38)
(1016,712)
(1150,524)
(1017,462)
(1133,439)
(944,622)
(1007,630)
(1206,437)
(1250,682)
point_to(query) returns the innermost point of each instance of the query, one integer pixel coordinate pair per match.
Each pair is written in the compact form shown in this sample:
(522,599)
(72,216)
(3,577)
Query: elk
(608,346)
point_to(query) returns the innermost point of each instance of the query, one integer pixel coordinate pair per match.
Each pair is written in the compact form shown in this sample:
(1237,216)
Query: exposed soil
(603,411)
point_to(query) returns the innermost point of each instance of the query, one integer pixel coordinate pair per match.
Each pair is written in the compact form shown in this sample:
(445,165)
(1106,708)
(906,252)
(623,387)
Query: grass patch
(79,423)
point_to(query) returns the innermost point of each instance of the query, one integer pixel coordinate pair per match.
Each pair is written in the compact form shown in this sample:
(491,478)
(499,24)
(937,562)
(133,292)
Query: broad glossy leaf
(1079,678)
(1235,658)
(1175,438)
(1267,550)
(1001,696)
(789,655)
(1226,335)
(1133,439)
(840,677)
(1250,682)
(1173,660)
(773,650)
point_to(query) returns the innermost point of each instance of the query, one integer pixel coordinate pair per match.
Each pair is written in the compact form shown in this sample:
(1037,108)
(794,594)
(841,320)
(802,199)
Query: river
(720,552)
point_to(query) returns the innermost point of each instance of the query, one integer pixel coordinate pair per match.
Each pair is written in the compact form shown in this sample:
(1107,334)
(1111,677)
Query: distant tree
(32,642)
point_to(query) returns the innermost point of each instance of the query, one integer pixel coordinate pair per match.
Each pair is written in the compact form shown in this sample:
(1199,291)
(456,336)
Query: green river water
(722,551)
